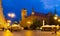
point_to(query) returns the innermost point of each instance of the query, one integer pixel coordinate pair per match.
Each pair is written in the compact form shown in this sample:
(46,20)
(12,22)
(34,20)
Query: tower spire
(32,11)
(55,12)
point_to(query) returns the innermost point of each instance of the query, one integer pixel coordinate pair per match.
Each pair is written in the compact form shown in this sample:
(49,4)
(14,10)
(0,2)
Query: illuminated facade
(28,20)
(2,19)
(23,13)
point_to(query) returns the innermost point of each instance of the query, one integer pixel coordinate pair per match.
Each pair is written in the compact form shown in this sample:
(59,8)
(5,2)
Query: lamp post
(12,15)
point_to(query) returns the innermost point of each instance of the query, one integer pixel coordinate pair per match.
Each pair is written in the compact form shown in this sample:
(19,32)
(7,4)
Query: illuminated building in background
(23,13)
(28,20)
(2,19)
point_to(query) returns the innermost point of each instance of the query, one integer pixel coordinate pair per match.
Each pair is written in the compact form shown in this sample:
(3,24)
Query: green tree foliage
(36,23)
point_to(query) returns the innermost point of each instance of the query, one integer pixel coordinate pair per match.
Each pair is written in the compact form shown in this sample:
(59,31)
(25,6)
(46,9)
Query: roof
(38,14)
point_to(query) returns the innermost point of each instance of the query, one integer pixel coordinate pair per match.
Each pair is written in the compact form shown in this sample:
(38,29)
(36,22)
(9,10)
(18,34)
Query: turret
(23,13)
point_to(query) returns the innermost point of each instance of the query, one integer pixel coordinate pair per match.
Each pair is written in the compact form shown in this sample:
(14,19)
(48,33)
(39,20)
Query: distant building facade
(28,20)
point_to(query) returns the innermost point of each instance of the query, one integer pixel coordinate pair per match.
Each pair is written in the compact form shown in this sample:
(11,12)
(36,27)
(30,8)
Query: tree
(36,23)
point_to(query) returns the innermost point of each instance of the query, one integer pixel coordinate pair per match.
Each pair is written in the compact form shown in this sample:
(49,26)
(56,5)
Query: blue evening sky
(43,6)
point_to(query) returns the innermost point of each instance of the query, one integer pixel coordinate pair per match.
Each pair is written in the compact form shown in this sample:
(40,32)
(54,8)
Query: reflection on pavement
(29,33)
(58,33)
(7,33)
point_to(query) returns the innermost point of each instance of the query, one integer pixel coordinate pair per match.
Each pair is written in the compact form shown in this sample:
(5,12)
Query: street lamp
(55,17)
(9,14)
(12,15)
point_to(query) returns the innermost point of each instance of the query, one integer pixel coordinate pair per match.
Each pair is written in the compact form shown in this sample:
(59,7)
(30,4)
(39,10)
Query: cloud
(49,4)
(48,7)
